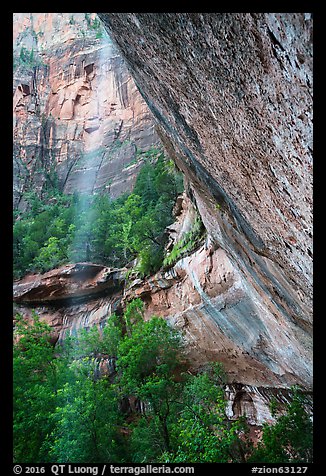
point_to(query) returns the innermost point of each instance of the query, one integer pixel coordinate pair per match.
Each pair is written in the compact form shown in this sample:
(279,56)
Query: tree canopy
(122,393)
(79,227)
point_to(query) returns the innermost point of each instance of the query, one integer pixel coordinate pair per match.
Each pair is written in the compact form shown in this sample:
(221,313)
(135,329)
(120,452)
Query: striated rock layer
(78,117)
(205,297)
(69,282)
(72,297)
(232,94)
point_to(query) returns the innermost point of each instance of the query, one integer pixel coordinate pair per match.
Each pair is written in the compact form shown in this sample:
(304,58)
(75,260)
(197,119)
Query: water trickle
(104,366)
(94,153)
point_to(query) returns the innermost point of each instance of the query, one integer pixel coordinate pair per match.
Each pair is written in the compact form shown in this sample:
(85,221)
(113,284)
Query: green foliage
(61,229)
(150,350)
(93,24)
(202,432)
(146,443)
(133,314)
(148,361)
(150,259)
(186,245)
(66,412)
(42,235)
(34,379)
(51,181)
(50,255)
(290,439)
(94,342)
(27,58)
(86,418)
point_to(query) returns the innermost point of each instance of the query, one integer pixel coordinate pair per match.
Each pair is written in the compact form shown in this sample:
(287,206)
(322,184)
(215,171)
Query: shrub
(81,227)
(186,245)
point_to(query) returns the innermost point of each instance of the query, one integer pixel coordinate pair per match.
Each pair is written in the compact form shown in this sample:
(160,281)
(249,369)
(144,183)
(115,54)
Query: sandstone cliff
(79,120)
(233,96)
(203,296)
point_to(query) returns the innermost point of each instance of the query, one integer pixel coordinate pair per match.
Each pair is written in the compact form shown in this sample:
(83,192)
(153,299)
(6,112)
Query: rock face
(205,297)
(70,282)
(72,297)
(78,117)
(232,95)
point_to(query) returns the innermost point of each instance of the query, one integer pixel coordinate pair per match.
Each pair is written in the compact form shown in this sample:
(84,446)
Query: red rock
(68,283)
(81,99)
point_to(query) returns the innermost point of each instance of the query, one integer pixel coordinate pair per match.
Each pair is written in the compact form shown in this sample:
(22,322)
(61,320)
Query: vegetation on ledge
(187,244)
(61,228)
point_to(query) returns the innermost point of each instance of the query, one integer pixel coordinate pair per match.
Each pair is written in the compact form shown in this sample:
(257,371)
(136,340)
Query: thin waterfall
(94,154)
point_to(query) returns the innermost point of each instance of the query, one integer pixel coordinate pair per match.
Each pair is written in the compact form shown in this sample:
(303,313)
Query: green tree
(50,255)
(290,439)
(67,410)
(147,361)
(150,258)
(59,228)
(34,383)
(34,232)
(202,433)
(94,342)
(146,443)
(87,418)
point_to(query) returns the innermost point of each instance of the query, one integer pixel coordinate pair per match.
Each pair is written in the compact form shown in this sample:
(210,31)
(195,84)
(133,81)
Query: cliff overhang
(69,284)
(232,97)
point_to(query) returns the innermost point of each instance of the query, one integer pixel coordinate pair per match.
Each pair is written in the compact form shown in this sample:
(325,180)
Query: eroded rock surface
(66,317)
(232,94)
(78,117)
(72,282)
(72,297)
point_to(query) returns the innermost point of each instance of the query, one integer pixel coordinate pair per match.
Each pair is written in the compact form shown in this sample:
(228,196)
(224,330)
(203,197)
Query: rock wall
(78,117)
(232,94)
(202,295)
(72,297)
